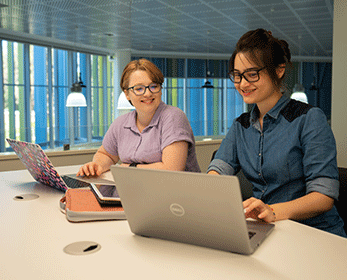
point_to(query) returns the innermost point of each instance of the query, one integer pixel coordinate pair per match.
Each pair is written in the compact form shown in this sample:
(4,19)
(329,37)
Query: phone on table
(107,195)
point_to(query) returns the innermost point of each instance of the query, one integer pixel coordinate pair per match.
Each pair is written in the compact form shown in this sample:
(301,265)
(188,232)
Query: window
(210,111)
(36,81)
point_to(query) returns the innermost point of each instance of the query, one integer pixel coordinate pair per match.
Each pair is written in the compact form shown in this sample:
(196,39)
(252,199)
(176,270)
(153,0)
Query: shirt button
(259,174)
(260,154)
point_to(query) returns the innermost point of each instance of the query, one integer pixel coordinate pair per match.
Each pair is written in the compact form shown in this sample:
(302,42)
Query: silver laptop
(194,208)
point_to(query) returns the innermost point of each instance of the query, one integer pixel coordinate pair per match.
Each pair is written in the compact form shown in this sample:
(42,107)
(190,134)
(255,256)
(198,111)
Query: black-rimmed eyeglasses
(141,90)
(250,76)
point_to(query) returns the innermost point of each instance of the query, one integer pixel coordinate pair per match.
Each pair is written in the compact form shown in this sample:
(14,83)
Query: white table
(34,233)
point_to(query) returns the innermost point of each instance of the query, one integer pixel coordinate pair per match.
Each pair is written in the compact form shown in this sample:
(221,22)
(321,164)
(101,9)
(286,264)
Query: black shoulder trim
(244,120)
(295,109)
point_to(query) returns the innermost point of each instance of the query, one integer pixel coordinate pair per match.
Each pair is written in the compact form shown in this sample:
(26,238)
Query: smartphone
(107,195)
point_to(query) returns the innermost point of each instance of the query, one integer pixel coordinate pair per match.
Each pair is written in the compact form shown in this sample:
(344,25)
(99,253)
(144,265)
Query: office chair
(341,204)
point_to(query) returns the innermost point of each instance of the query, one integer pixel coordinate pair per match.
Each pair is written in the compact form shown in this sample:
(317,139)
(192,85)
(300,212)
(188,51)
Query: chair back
(341,204)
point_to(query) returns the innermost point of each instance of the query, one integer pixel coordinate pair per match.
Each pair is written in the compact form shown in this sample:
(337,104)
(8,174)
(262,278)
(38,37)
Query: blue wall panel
(180,96)
(40,96)
(83,110)
(61,92)
(209,107)
(196,106)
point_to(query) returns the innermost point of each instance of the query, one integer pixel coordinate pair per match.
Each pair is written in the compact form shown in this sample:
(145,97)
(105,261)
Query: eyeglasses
(250,76)
(141,90)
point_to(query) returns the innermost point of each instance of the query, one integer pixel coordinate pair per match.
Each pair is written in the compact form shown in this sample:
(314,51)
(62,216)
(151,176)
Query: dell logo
(177,209)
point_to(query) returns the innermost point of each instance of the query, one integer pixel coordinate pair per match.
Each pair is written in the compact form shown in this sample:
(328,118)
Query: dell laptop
(195,208)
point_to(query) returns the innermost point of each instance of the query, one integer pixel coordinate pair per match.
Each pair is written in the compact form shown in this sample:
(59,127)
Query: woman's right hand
(213,172)
(102,161)
(90,169)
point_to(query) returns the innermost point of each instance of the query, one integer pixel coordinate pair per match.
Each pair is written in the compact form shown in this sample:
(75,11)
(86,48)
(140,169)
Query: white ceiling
(185,26)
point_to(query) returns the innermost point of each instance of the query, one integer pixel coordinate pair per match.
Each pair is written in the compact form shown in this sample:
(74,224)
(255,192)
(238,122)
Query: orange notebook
(81,205)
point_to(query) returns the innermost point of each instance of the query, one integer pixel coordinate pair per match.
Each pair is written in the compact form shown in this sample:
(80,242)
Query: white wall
(339,78)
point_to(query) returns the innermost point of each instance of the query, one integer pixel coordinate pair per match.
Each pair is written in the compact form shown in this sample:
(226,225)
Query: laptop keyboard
(74,183)
(251,234)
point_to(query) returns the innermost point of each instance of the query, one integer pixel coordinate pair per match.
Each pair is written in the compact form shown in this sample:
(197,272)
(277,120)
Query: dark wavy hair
(265,50)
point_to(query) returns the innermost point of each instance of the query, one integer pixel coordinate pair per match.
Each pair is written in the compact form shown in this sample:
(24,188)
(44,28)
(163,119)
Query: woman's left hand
(256,209)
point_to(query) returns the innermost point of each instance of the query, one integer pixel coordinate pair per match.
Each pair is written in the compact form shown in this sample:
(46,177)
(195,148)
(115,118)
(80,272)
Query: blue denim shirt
(294,154)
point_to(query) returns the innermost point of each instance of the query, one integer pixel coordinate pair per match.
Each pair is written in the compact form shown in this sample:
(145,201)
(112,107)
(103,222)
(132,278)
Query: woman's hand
(256,209)
(102,161)
(213,172)
(90,169)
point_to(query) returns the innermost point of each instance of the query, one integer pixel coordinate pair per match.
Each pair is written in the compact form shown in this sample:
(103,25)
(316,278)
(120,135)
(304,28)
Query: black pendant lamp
(207,83)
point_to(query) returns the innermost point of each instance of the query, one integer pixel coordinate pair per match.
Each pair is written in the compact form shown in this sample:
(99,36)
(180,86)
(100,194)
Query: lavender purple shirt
(169,125)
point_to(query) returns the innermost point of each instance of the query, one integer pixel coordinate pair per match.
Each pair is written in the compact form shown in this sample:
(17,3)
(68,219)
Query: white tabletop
(34,233)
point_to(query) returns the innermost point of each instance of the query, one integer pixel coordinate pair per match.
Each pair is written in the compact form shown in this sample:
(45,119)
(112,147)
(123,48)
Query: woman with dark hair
(285,148)
(155,135)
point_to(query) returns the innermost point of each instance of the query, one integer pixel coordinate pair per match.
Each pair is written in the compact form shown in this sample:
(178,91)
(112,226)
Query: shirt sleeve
(225,161)
(110,139)
(319,160)
(175,127)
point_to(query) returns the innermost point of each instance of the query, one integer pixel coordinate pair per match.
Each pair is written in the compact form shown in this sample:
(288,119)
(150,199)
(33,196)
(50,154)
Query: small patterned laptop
(41,168)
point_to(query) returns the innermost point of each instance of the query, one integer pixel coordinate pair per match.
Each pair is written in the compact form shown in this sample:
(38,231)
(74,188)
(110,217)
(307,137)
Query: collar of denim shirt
(273,113)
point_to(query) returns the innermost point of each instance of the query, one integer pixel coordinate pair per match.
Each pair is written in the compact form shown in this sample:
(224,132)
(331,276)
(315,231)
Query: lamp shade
(299,93)
(76,98)
(207,85)
(123,103)
(300,96)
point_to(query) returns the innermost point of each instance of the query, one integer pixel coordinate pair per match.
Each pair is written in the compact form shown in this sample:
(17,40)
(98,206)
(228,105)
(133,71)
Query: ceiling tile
(184,25)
